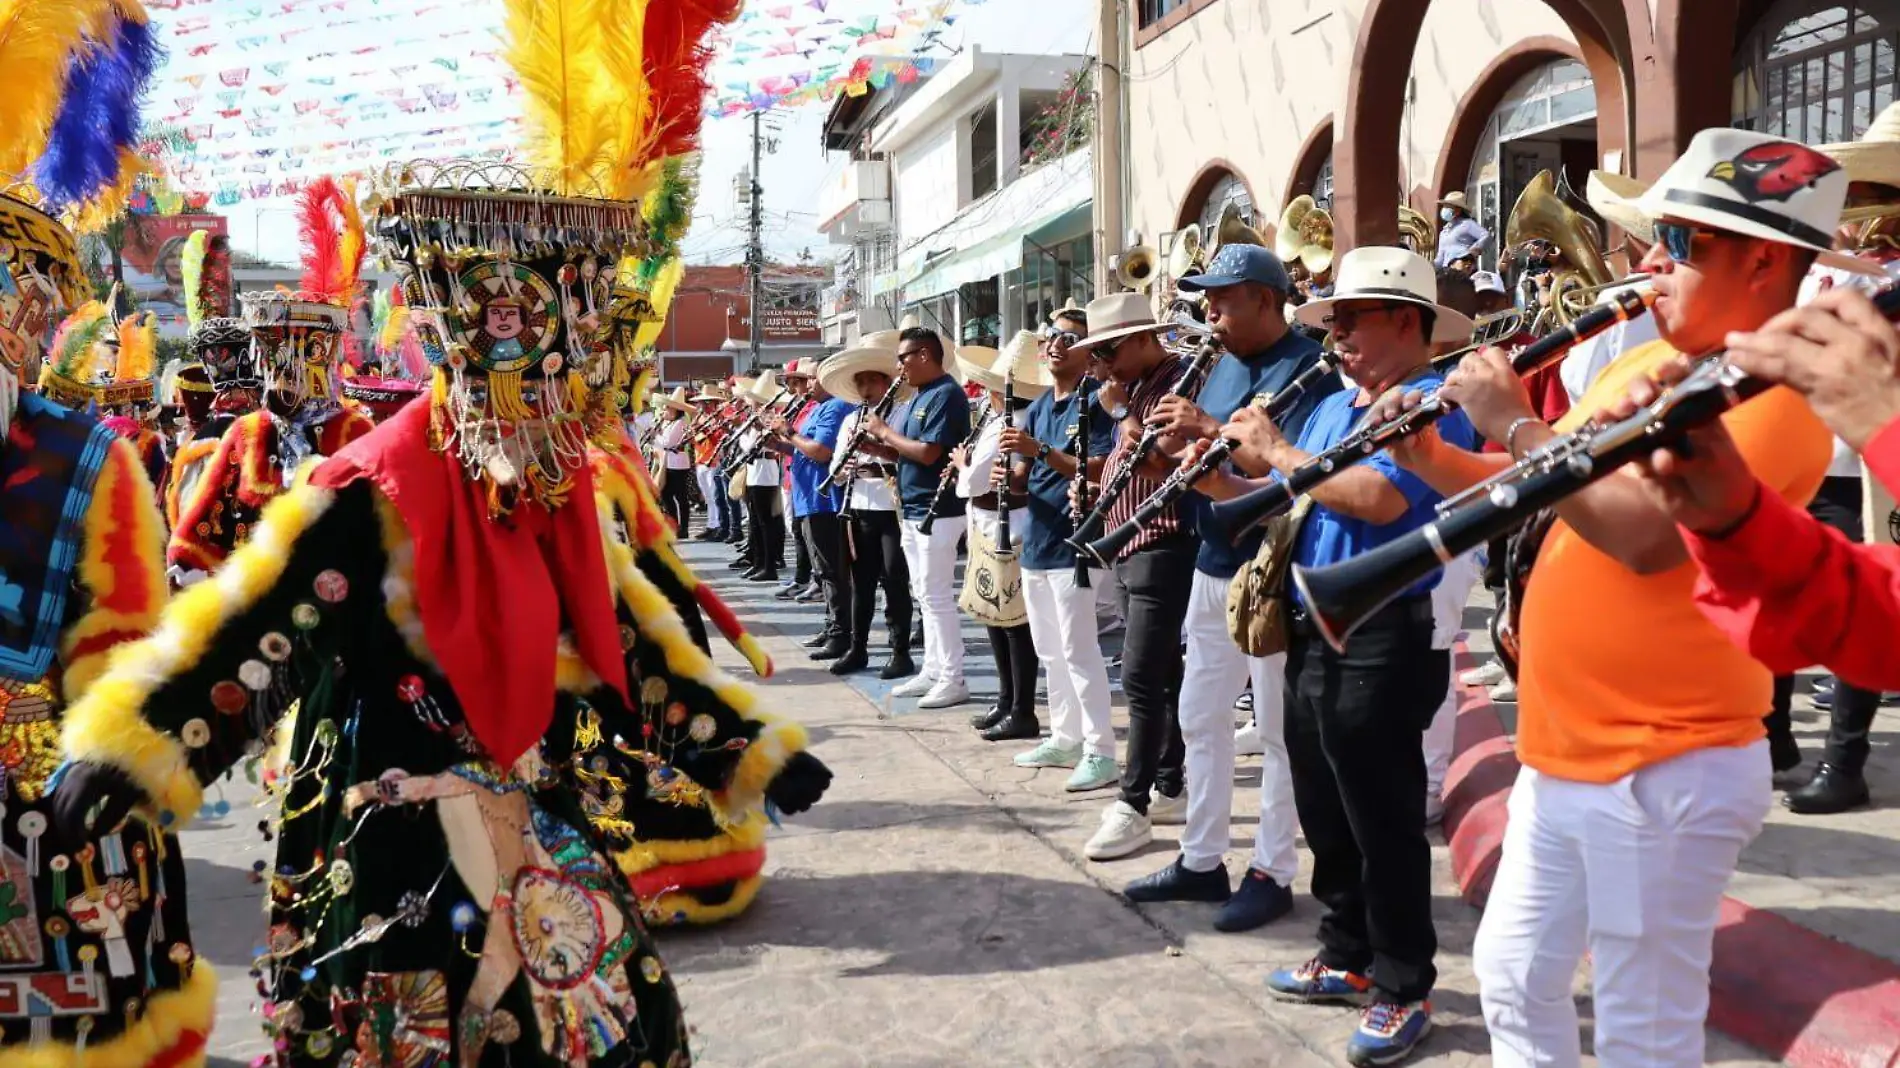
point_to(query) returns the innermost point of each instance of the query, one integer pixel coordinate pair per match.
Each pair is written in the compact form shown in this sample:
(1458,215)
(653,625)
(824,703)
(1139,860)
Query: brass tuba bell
(1305,236)
(1184,258)
(1419,233)
(1540,214)
(1135,269)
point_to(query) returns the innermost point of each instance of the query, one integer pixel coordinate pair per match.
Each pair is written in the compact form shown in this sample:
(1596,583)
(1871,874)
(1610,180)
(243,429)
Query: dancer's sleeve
(121,570)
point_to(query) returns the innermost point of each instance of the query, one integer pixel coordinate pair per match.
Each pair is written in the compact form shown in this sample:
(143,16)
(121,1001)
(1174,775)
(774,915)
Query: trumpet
(1247,511)
(1106,548)
(1117,482)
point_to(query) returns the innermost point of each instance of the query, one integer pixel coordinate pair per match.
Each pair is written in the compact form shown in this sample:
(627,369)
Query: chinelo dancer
(95,954)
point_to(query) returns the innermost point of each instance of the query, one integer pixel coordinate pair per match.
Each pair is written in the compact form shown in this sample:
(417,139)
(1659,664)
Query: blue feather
(98,115)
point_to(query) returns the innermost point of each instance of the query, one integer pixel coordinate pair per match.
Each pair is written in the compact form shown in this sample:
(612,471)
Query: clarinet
(858,434)
(746,458)
(950,473)
(1079,485)
(1002,495)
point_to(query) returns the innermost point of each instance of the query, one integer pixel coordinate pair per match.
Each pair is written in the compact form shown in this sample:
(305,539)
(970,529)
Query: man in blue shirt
(937,421)
(1246,289)
(815,514)
(1355,721)
(1047,450)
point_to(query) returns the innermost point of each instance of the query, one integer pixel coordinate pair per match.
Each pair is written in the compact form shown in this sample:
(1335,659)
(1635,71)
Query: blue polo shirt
(939,415)
(1053,421)
(1232,385)
(1328,537)
(820,426)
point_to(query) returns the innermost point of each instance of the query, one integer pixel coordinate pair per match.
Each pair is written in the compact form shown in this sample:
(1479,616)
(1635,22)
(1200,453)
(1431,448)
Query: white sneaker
(947,694)
(1504,691)
(1163,809)
(915,686)
(1123,831)
(1247,741)
(1488,675)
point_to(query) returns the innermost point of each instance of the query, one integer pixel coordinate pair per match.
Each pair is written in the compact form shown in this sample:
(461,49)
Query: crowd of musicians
(1673,575)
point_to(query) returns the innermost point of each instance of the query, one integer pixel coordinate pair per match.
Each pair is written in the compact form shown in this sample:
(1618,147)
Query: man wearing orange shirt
(1645,766)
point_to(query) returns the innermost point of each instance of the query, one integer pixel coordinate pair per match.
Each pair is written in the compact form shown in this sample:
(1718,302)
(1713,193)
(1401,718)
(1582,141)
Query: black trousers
(822,542)
(801,554)
(765,529)
(1158,580)
(1355,725)
(676,497)
(1852,719)
(877,560)
(1016,668)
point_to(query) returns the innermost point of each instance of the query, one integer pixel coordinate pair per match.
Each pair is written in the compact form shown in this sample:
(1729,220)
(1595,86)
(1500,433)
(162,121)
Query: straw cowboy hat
(802,368)
(1020,360)
(876,351)
(1613,196)
(1381,273)
(1758,186)
(1876,156)
(765,389)
(1069,307)
(1116,316)
(677,401)
(715,393)
(1456,200)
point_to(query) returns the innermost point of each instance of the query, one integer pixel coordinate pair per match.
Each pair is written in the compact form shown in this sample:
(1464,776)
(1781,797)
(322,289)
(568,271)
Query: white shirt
(1585,362)
(673,440)
(1846,463)
(974,480)
(763,471)
(867,494)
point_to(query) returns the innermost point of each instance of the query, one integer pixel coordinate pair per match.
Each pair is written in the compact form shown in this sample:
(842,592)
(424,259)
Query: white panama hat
(1758,186)
(1381,272)
(985,366)
(876,351)
(1613,196)
(1118,315)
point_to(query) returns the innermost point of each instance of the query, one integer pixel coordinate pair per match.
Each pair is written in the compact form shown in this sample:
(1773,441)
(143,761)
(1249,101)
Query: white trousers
(1634,872)
(1212,678)
(705,476)
(1062,625)
(933,577)
(1448,622)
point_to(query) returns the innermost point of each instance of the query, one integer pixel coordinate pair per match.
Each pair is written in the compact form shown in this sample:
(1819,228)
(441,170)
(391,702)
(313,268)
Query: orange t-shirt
(1620,671)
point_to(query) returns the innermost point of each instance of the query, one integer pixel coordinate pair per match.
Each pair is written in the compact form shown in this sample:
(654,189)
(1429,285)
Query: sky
(794,175)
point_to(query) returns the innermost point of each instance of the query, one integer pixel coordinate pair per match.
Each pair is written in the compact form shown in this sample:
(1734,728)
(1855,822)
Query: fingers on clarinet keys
(90,800)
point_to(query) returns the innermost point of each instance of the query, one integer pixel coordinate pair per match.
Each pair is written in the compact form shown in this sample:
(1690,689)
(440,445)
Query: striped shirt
(1141,403)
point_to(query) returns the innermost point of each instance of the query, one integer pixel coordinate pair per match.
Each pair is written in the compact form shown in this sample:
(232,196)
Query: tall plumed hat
(40,282)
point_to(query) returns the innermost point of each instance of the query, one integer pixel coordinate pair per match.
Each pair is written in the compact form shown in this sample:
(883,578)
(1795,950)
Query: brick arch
(1308,161)
(1204,181)
(1474,110)
(1366,158)
(1695,49)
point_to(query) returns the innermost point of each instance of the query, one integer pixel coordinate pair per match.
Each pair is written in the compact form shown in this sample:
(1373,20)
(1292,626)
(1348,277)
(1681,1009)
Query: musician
(764,495)
(798,404)
(936,422)
(709,432)
(981,471)
(815,514)
(675,443)
(1785,586)
(1157,567)
(1645,771)
(1246,288)
(873,538)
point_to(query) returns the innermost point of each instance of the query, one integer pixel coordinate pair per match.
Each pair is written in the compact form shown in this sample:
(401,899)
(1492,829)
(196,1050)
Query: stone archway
(1308,161)
(1366,158)
(1475,108)
(1204,182)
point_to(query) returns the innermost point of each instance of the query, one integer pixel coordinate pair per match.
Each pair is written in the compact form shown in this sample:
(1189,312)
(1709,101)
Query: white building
(953,203)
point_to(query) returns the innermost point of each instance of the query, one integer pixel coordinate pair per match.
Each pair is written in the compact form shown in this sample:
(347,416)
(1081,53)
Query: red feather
(320,224)
(676,62)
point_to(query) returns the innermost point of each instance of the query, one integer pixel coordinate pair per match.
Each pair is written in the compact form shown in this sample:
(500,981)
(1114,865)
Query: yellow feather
(553,47)
(350,247)
(37,40)
(625,99)
(664,286)
(138,348)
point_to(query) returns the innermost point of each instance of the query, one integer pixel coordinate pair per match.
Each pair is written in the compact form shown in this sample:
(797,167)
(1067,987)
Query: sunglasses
(1347,319)
(1060,337)
(1104,351)
(1678,239)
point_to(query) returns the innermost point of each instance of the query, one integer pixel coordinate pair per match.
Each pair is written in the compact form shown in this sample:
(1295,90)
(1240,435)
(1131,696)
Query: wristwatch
(1042,450)
(1119,413)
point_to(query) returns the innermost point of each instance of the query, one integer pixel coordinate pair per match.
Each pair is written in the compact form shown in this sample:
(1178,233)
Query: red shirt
(1793,591)
(1549,399)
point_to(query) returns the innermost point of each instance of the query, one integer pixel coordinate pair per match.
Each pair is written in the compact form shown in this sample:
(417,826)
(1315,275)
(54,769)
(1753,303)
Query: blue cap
(1236,263)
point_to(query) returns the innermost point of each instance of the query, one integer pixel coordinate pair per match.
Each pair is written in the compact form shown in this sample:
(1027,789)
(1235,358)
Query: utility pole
(1107,142)
(755,250)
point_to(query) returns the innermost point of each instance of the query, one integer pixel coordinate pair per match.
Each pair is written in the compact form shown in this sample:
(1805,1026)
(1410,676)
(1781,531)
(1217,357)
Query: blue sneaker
(1258,902)
(1389,1032)
(1315,983)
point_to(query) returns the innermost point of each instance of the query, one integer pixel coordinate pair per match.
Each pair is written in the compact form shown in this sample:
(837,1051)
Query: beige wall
(1248,80)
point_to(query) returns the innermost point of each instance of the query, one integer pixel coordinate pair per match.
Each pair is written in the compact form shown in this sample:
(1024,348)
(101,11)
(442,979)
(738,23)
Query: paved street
(935,910)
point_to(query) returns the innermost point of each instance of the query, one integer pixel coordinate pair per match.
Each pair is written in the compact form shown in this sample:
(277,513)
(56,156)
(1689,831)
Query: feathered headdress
(72,354)
(669,211)
(333,242)
(665,284)
(138,348)
(91,139)
(205,267)
(676,59)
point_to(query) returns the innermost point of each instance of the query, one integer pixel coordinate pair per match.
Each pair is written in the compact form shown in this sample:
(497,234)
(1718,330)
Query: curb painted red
(1805,998)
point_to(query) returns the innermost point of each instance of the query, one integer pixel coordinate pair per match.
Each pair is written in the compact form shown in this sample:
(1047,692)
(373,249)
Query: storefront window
(1815,71)
(1323,184)
(1523,136)
(1049,278)
(982,313)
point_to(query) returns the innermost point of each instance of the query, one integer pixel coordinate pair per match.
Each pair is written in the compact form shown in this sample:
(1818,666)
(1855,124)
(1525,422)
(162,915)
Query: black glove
(91,800)
(799,784)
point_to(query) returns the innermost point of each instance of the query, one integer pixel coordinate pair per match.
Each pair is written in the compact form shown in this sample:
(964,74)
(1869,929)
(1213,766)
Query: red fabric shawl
(492,594)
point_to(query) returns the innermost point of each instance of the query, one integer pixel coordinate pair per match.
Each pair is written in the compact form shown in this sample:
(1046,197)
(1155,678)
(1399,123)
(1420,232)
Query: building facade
(709,327)
(1369,103)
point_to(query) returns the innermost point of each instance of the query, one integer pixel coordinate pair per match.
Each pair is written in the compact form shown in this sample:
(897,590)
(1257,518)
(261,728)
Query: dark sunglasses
(1104,351)
(1678,239)
(1061,337)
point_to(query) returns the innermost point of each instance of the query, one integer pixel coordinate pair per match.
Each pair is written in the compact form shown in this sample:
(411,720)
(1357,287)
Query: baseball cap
(1487,282)
(1237,263)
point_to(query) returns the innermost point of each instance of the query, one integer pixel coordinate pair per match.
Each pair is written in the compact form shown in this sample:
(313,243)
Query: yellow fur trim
(738,837)
(778,739)
(399,581)
(107,725)
(671,909)
(167,1017)
(121,564)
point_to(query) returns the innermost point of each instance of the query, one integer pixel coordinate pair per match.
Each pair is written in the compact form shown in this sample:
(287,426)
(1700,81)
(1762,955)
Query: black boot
(853,661)
(1833,789)
(988,718)
(1014,729)
(901,665)
(817,641)
(831,651)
